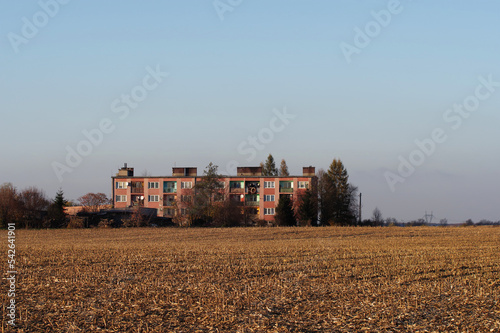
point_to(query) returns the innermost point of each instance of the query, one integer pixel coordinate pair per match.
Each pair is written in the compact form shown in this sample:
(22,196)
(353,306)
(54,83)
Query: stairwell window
(121,198)
(186,185)
(269,185)
(153,198)
(268,211)
(269,197)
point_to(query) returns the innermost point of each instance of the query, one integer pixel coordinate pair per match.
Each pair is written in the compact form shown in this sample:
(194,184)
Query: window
(153,185)
(170,187)
(185,198)
(268,211)
(184,211)
(153,198)
(186,184)
(303,184)
(121,198)
(269,197)
(236,184)
(121,184)
(170,211)
(268,184)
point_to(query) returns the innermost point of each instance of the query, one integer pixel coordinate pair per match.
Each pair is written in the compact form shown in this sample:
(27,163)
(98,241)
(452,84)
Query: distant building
(248,189)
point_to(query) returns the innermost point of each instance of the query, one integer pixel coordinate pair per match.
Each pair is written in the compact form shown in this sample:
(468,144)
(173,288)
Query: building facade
(258,194)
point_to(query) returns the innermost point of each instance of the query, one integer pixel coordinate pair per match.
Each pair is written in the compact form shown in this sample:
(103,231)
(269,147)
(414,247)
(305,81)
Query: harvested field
(257,280)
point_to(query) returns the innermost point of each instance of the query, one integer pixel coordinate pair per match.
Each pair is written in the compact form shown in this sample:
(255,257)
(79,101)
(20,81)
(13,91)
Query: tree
(469,222)
(443,222)
(284,212)
(228,214)
(307,208)
(9,205)
(56,210)
(207,195)
(338,199)
(33,204)
(391,221)
(326,192)
(145,173)
(377,217)
(283,169)
(93,202)
(269,168)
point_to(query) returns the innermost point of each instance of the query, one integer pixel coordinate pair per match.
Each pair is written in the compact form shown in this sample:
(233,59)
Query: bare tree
(93,202)
(33,203)
(9,204)
(377,216)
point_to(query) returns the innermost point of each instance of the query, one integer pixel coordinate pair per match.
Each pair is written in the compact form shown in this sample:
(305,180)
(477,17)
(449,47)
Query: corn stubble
(258,280)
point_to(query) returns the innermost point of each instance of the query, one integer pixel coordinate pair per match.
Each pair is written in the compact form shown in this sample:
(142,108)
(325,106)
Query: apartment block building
(249,188)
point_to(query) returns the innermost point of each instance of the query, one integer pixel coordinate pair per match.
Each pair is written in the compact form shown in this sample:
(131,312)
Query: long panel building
(249,188)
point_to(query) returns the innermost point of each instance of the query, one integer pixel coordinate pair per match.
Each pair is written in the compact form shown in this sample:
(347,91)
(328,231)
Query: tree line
(30,207)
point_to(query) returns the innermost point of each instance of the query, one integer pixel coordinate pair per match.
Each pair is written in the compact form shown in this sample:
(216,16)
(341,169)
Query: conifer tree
(283,169)
(56,210)
(284,212)
(269,168)
(338,197)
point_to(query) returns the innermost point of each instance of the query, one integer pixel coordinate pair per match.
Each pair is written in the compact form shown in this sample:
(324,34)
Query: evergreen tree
(269,168)
(283,169)
(56,210)
(284,212)
(338,197)
(326,197)
(307,209)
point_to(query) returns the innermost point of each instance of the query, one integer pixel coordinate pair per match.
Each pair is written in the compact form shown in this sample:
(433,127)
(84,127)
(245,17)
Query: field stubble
(258,280)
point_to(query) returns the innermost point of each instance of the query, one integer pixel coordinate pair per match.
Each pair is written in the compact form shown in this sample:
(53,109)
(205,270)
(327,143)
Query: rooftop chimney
(309,171)
(126,171)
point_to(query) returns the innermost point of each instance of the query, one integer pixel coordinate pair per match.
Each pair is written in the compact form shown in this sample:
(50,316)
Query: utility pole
(359,207)
(426,216)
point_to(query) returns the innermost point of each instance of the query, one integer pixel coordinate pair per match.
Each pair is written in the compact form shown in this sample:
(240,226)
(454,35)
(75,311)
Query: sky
(405,93)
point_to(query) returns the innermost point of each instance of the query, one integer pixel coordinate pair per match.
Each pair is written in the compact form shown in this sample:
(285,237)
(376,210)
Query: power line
(428,217)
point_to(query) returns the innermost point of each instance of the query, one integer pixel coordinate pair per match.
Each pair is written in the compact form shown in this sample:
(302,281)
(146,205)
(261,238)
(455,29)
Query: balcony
(251,203)
(236,190)
(168,203)
(169,187)
(137,190)
(252,190)
(286,186)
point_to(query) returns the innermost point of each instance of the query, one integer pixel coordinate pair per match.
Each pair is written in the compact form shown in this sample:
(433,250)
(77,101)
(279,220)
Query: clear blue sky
(225,78)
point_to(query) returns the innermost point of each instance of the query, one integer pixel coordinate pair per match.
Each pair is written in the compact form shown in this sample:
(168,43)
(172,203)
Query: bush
(76,222)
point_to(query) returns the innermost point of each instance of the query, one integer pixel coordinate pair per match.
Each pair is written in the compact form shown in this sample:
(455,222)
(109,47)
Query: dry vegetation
(258,280)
